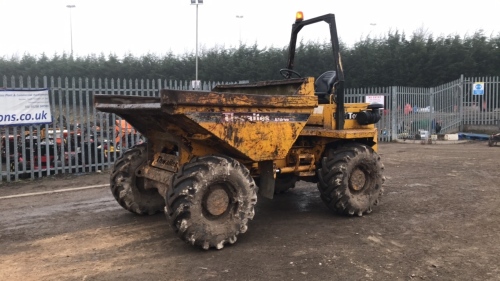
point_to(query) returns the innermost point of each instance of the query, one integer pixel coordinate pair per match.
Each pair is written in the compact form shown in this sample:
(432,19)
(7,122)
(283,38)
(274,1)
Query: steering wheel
(288,73)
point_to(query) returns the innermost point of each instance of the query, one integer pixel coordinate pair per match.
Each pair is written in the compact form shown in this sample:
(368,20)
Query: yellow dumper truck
(208,154)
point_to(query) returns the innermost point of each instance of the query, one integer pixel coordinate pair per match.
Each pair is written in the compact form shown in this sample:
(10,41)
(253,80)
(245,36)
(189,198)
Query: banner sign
(196,84)
(24,107)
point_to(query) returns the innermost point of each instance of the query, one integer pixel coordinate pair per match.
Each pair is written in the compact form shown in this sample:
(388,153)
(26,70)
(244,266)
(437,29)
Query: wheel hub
(357,180)
(217,202)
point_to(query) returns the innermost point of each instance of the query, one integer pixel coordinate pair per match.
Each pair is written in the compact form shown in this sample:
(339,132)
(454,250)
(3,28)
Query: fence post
(158,89)
(431,111)
(461,104)
(394,112)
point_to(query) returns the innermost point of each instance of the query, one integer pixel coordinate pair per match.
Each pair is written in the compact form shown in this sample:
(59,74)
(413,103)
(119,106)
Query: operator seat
(323,86)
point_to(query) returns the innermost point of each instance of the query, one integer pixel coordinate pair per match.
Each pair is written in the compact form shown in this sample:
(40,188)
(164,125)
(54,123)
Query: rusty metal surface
(155,174)
(166,162)
(117,104)
(339,134)
(156,178)
(258,140)
(217,202)
(119,108)
(179,100)
(357,180)
(272,87)
(307,168)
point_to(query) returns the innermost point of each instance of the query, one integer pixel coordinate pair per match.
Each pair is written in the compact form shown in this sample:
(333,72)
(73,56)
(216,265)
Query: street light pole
(196,45)
(372,24)
(71,26)
(241,18)
(196,2)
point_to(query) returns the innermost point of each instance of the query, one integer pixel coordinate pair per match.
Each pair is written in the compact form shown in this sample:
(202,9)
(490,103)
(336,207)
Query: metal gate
(483,108)
(446,102)
(411,111)
(421,112)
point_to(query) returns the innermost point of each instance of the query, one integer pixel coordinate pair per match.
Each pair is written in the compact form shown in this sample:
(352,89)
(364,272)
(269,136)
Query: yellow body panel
(323,116)
(259,140)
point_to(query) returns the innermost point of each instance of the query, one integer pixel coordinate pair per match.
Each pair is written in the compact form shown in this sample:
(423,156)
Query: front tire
(211,200)
(350,179)
(128,189)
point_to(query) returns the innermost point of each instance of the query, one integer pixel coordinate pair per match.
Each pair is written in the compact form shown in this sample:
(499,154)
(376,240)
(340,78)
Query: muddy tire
(128,189)
(284,182)
(211,200)
(350,179)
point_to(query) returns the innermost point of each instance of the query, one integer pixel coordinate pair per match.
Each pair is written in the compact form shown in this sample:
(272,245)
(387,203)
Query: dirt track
(439,219)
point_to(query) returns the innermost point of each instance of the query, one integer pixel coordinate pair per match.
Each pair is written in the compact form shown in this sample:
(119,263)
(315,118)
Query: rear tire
(350,179)
(211,200)
(128,189)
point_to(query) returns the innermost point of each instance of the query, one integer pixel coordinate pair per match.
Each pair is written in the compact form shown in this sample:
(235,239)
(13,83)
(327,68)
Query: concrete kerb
(440,142)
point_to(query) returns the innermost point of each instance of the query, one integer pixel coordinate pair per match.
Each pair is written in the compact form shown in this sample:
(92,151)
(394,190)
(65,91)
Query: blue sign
(478,88)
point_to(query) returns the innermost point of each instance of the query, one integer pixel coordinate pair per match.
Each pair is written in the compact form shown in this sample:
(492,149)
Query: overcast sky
(161,26)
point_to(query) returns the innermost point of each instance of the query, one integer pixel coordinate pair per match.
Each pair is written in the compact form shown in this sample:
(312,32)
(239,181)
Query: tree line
(395,59)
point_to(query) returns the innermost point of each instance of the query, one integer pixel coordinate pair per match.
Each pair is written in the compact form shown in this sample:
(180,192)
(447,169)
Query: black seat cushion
(323,85)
